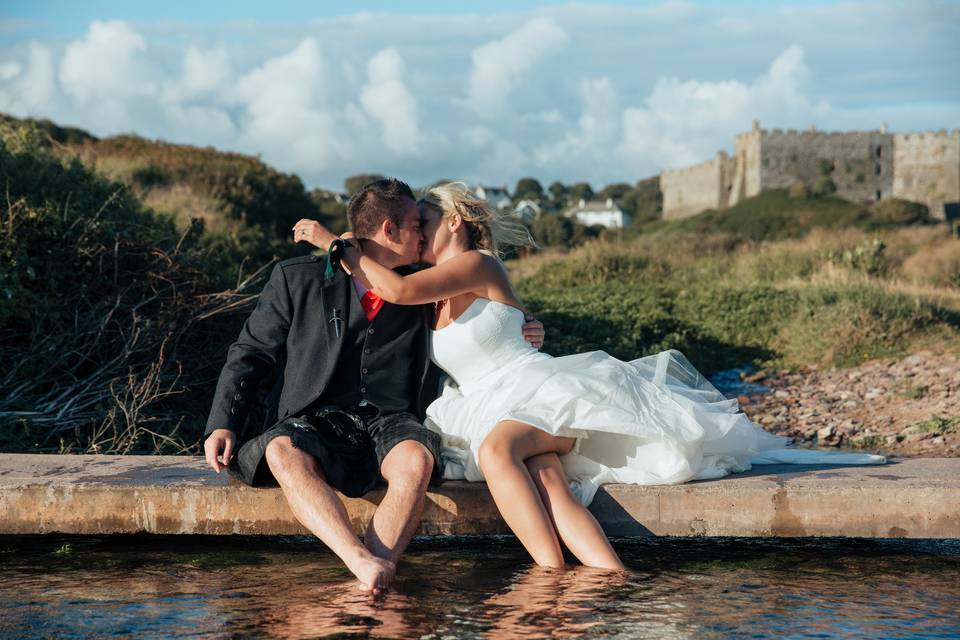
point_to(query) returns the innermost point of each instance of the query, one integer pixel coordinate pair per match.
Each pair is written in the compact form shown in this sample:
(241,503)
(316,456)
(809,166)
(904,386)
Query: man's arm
(249,359)
(533,331)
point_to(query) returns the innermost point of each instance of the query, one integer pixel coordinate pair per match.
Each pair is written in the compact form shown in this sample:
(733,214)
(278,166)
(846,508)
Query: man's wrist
(343,243)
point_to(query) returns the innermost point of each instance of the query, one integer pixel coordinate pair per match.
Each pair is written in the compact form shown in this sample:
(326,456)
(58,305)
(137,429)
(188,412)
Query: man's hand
(533,331)
(220,442)
(313,232)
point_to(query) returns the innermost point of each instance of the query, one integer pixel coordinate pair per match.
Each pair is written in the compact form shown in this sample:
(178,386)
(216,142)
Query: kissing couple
(363,337)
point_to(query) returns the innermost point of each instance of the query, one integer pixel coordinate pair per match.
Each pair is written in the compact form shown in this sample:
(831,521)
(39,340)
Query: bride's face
(436,236)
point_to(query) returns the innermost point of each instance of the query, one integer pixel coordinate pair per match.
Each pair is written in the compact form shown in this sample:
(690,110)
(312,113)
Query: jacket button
(367,350)
(370,330)
(363,389)
(243,383)
(364,370)
(238,396)
(233,410)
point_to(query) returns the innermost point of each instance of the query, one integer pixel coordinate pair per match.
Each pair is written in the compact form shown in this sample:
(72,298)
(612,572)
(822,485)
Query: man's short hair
(376,202)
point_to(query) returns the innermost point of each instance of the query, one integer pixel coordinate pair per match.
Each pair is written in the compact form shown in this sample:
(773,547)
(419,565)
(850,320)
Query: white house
(603,213)
(527,210)
(496,197)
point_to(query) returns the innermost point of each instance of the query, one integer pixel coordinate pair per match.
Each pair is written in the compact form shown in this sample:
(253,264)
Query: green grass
(774,215)
(788,303)
(936,424)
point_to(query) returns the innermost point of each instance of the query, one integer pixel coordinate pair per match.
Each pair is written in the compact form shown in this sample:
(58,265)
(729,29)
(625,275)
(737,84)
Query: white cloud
(202,72)
(388,101)
(285,115)
(686,121)
(31,88)
(10,69)
(107,64)
(595,139)
(499,65)
(597,92)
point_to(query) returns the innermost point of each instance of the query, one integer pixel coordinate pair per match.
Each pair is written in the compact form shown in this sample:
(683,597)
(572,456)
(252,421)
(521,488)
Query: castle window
(877,168)
(879,194)
(878,150)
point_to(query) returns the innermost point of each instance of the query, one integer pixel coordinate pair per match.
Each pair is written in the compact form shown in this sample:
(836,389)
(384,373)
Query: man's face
(409,239)
(430,220)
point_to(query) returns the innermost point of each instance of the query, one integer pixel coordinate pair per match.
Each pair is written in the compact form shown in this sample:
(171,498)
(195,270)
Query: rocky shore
(907,407)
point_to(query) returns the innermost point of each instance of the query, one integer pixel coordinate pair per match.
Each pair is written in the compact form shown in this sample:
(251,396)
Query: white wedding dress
(654,420)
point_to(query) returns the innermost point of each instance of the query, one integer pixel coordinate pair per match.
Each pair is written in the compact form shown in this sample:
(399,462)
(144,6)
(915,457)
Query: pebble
(834,405)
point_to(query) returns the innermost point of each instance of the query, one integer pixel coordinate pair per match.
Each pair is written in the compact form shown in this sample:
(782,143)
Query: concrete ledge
(94,494)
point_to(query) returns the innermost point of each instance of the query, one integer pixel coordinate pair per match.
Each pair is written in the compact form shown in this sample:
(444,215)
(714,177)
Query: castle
(864,166)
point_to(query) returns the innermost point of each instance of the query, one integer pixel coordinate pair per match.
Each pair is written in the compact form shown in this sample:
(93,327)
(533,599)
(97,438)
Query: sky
(487,92)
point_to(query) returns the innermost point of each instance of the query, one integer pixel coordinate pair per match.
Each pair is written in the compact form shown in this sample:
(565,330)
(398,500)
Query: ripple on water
(153,587)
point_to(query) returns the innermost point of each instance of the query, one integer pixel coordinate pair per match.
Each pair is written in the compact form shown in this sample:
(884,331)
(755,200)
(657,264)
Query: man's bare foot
(375,574)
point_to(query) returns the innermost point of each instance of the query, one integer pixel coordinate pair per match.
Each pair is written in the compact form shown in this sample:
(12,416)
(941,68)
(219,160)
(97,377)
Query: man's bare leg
(407,468)
(319,509)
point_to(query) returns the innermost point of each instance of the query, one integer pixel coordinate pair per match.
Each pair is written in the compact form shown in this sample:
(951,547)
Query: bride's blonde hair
(488,230)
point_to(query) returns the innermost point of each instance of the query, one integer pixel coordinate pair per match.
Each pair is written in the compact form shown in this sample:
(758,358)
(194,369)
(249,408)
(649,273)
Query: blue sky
(599,92)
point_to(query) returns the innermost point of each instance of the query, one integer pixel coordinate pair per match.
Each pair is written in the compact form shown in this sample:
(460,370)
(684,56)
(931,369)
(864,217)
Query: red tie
(371,304)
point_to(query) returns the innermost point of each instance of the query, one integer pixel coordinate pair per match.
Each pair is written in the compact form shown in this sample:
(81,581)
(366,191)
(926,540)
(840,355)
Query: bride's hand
(313,232)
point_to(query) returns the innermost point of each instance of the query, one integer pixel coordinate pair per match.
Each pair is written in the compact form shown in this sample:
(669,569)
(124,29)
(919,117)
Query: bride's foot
(374,574)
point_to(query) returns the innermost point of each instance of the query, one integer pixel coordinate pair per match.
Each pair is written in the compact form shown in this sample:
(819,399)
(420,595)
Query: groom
(356,382)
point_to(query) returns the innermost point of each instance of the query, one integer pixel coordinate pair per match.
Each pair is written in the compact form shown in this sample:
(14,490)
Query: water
(168,586)
(730,382)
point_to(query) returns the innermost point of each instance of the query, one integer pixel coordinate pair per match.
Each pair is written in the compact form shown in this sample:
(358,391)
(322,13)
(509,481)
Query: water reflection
(152,587)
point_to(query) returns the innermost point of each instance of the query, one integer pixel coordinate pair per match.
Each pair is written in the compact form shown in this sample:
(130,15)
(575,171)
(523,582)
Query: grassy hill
(116,310)
(776,215)
(229,192)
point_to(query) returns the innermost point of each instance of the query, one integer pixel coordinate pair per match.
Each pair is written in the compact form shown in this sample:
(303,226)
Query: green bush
(723,306)
(900,212)
(114,321)
(867,257)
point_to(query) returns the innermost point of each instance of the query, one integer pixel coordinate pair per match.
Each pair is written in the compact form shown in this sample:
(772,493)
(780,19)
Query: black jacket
(290,328)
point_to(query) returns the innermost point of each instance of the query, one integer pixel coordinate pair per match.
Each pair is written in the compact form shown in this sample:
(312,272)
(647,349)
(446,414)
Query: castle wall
(865,166)
(860,163)
(927,168)
(690,190)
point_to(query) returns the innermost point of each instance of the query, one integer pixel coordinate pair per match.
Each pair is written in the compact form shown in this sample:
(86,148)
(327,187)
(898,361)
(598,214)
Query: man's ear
(454,222)
(389,230)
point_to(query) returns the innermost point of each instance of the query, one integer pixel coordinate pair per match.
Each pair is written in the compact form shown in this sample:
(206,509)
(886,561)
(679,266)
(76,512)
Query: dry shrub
(938,264)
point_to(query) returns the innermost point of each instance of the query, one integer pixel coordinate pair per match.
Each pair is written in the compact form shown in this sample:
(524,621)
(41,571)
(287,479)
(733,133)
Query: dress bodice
(482,345)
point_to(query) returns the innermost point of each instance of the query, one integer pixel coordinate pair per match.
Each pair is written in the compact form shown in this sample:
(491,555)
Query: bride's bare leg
(501,458)
(577,527)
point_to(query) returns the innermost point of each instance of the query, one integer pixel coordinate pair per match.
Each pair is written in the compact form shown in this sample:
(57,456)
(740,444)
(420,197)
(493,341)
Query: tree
(355,183)
(645,201)
(552,230)
(528,189)
(615,191)
(581,191)
(558,190)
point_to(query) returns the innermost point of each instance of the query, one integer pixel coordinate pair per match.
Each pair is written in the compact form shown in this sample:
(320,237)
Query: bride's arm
(469,272)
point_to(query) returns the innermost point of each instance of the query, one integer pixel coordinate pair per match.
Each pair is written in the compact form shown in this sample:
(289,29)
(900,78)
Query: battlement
(721,157)
(814,135)
(941,135)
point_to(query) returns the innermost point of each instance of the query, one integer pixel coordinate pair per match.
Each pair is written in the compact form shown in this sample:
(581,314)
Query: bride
(545,432)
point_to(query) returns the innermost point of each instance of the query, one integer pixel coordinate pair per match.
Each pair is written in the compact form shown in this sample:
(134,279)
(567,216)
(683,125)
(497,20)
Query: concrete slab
(95,494)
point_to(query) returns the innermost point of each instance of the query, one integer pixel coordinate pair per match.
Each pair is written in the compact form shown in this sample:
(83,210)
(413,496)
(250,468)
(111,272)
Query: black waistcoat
(374,360)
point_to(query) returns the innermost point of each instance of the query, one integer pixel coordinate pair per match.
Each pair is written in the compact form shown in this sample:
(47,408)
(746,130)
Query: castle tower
(927,169)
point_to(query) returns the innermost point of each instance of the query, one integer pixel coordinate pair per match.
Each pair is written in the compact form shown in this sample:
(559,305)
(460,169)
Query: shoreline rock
(904,406)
